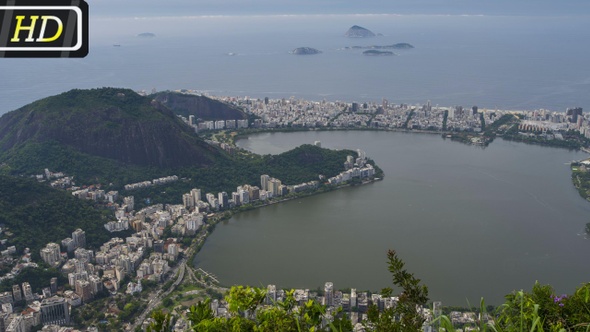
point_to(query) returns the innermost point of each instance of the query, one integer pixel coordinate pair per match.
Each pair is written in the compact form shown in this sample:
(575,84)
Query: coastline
(234,135)
(226,215)
(247,132)
(223,217)
(199,241)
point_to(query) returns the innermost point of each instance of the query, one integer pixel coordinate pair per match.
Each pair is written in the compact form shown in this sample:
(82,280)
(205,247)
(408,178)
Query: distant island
(378,53)
(146,35)
(398,46)
(358,32)
(305,51)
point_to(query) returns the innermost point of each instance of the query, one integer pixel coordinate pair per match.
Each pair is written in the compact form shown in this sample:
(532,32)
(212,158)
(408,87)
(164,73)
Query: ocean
(494,62)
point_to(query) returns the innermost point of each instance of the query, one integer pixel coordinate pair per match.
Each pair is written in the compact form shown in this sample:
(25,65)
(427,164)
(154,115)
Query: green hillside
(36,214)
(116,124)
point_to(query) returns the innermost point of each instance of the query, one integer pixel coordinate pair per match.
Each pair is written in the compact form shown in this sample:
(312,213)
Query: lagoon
(470,222)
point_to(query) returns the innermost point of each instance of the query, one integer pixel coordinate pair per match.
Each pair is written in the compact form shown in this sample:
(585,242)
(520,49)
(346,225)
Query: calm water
(470,222)
(515,62)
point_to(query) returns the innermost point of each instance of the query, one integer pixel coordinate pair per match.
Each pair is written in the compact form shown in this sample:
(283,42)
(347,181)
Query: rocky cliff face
(199,106)
(113,123)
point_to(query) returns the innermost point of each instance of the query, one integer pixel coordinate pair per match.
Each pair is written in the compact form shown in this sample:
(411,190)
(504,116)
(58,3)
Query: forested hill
(302,164)
(33,214)
(305,163)
(116,124)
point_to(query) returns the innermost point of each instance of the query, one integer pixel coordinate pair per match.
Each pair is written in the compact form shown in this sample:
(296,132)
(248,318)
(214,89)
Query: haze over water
(509,62)
(469,222)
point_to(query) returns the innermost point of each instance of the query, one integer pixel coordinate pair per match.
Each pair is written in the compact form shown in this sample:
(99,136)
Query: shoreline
(231,137)
(227,215)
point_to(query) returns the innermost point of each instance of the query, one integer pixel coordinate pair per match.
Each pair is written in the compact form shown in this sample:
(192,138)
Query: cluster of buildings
(94,193)
(21,309)
(89,273)
(92,273)
(550,124)
(294,113)
(200,125)
(51,311)
(7,259)
(299,113)
(352,303)
(154,182)
(221,124)
(244,194)
(354,169)
(462,318)
(49,175)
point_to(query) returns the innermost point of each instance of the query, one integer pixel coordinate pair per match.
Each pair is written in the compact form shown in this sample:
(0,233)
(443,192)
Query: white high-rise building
(194,222)
(353,297)
(188,201)
(264,182)
(51,253)
(271,294)
(173,249)
(244,196)
(130,202)
(329,293)
(236,198)
(196,193)
(27,291)
(273,186)
(211,200)
(55,311)
(79,237)
(242,123)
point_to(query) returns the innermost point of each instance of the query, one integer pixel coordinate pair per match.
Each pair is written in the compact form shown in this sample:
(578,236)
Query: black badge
(43,29)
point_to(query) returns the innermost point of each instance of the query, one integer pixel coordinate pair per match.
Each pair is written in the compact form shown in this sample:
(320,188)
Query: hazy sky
(239,7)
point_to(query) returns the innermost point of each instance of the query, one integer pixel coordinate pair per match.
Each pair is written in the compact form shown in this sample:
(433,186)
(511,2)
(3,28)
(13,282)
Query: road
(159,294)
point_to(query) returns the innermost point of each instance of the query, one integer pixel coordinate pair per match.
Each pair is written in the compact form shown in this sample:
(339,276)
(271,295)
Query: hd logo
(43,29)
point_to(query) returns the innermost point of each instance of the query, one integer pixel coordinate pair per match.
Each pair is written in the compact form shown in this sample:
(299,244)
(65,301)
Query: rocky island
(358,32)
(378,53)
(305,51)
(146,35)
(400,46)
